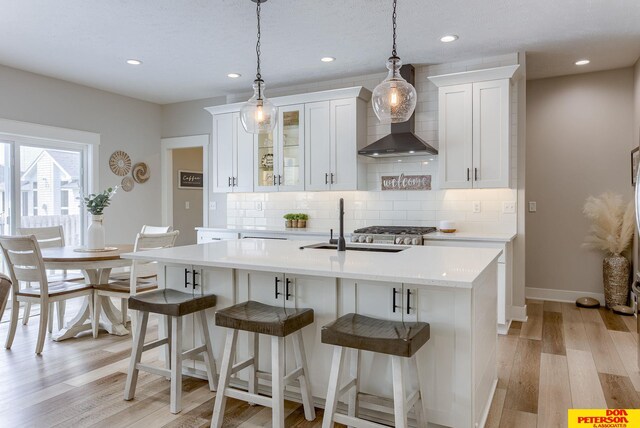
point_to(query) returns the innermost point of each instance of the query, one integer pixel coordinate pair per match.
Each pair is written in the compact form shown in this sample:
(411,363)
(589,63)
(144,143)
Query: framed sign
(190,179)
(406,182)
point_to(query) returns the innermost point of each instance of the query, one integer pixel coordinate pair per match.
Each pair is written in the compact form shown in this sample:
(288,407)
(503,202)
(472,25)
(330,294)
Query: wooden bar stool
(278,323)
(173,305)
(400,340)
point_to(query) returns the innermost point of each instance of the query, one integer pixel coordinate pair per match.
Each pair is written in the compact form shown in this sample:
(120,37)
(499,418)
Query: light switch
(213,206)
(476,207)
(186,205)
(258,206)
(532,206)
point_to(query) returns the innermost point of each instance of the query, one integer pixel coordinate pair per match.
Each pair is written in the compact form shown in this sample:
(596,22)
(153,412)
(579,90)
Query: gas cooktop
(404,235)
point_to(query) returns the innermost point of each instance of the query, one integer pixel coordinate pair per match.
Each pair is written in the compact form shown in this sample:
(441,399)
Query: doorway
(184,185)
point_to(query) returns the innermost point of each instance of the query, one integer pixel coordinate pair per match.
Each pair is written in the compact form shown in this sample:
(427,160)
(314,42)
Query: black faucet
(342,244)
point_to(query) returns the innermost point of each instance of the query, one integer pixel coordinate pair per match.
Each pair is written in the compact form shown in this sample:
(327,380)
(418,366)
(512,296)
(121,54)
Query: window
(35,198)
(64,202)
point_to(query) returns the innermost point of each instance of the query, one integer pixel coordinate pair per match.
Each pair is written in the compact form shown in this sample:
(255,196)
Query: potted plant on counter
(612,228)
(288,223)
(302,220)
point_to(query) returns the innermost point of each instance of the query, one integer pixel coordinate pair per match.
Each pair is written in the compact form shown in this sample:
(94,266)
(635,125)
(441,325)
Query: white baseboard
(519,313)
(559,295)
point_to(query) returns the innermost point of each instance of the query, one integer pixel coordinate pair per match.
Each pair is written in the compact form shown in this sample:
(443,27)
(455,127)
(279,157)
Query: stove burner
(395,230)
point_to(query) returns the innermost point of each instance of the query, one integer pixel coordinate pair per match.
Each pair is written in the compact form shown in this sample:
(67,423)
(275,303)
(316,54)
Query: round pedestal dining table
(96,267)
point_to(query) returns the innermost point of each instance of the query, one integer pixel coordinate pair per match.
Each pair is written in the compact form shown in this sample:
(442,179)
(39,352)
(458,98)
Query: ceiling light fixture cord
(393,17)
(258,75)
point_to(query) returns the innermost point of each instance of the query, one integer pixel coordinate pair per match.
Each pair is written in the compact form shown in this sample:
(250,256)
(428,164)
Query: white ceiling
(189,46)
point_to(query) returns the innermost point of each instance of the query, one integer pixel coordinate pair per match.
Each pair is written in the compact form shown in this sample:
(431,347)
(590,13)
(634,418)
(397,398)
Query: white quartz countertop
(470,236)
(424,265)
(271,230)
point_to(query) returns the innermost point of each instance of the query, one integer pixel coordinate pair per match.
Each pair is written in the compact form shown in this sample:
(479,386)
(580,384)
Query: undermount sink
(372,248)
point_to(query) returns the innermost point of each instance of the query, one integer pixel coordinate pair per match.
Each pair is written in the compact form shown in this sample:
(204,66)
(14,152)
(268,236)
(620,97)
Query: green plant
(304,217)
(289,216)
(96,203)
(612,223)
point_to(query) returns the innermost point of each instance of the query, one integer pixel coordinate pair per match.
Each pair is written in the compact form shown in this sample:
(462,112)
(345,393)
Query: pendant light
(394,99)
(258,115)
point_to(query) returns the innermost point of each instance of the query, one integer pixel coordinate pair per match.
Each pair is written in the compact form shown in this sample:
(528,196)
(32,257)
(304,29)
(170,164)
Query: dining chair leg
(175,404)
(136,356)
(26,314)
(223,381)
(305,384)
(15,313)
(44,321)
(95,318)
(62,305)
(124,310)
(334,386)
(50,318)
(209,361)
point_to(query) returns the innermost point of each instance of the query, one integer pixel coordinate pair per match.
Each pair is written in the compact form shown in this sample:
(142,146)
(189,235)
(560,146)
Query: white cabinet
(205,236)
(232,159)
(313,147)
(279,159)
(474,128)
(333,133)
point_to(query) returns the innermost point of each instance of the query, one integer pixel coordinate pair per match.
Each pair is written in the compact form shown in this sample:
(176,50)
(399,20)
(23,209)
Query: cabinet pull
(277,281)
(274,179)
(395,306)
(193,275)
(468,174)
(475,174)
(326,178)
(186,278)
(408,301)
(287,294)
(229,181)
(235,181)
(332,178)
(279,180)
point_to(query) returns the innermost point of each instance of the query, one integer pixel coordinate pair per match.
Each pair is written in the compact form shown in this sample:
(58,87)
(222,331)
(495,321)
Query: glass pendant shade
(258,115)
(394,99)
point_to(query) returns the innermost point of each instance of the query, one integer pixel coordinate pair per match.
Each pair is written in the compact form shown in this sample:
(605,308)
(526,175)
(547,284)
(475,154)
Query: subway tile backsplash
(376,207)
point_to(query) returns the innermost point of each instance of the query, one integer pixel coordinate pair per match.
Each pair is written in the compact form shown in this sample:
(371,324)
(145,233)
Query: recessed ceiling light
(327,59)
(412,151)
(448,38)
(134,62)
(234,75)
(376,154)
(583,62)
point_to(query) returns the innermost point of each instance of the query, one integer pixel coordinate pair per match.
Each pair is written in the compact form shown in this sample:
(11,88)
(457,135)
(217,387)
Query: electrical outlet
(509,207)
(258,206)
(532,206)
(187,205)
(476,207)
(213,206)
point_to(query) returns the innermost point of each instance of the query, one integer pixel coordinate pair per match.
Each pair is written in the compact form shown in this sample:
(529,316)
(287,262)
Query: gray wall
(186,220)
(579,136)
(123,124)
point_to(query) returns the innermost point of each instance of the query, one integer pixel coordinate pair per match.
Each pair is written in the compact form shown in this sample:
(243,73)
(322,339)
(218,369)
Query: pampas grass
(612,223)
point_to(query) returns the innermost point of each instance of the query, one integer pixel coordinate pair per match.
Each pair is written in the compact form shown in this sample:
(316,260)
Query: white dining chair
(49,237)
(24,260)
(147,230)
(142,276)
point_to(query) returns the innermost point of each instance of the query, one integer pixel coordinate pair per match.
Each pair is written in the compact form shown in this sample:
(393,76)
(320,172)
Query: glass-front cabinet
(280,155)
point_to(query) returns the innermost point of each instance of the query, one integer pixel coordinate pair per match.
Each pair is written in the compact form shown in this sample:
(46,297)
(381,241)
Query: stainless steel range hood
(403,140)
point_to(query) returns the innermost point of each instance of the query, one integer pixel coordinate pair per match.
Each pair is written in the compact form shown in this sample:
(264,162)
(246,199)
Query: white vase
(95,233)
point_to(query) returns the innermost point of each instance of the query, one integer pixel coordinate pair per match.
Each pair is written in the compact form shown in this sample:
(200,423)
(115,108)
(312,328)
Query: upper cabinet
(313,147)
(279,159)
(474,128)
(233,151)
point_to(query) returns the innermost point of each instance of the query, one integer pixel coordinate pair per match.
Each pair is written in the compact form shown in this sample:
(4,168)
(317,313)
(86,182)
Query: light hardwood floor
(562,357)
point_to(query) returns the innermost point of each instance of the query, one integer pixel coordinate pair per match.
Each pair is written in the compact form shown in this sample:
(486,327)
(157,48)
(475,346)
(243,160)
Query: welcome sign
(406,182)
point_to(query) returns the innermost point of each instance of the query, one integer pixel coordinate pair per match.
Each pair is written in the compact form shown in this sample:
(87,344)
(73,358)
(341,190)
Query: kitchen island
(454,289)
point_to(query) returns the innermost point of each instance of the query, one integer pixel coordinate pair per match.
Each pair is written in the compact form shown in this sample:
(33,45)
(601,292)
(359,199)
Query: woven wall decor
(127,184)
(120,163)
(141,172)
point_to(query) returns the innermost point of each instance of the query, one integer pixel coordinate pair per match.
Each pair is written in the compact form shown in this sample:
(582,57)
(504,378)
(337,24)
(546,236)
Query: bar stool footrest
(154,370)
(242,365)
(248,397)
(356,422)
(154,344)
(193,352)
